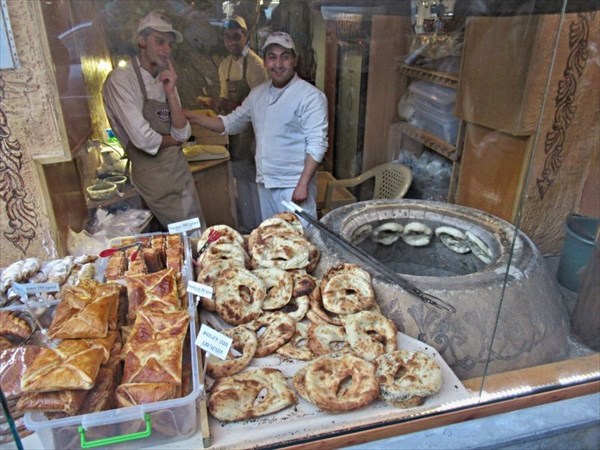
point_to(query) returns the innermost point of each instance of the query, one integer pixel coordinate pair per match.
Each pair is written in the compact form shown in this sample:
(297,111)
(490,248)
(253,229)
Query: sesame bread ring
(453,238)
(297,347)
(297,308)
(239,295)
(245,342)
(387,233)
(271,227)
(227,234)
(407,378)
(318,311)
(304,283)
(207,276)
(325,338)
(278,328)
(361,233)
(284,252)
(416,234)
(370,334)
(479,248)
(250,394)
(279,284)
(223,251)
(346,294)
(352,269)
(341,382)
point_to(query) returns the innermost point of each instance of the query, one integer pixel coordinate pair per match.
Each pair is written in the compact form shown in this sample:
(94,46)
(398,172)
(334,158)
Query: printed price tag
(199,289)
(184,225)
(23,290)
(213,342)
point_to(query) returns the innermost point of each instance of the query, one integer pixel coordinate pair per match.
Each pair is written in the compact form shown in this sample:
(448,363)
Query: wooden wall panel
(491,170)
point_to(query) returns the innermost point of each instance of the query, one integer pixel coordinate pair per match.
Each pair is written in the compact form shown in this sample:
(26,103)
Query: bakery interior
(490,108)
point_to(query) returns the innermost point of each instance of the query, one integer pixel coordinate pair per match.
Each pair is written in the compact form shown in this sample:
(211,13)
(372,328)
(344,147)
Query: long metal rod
(374,263)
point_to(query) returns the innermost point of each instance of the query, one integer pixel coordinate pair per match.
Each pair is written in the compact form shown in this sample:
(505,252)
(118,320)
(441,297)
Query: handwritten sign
(213,342)
(199,289)
(24,289)
(184,225)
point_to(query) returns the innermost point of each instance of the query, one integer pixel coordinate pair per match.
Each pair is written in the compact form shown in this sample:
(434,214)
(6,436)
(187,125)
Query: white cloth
(123,102)
(288,123)
(233,70)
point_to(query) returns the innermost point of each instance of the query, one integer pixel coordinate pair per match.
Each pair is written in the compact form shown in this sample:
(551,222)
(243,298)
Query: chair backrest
(392,180)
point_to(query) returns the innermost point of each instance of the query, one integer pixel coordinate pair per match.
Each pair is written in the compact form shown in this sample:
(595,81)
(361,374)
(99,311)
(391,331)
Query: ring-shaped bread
(279,284)
(370,334)
(479,248)
(219,251)
(345,268)
(341,382)
(239,295)
(407,378)
(297,347)
(326,338)
(250,394)
(282,251)
(453,238)
(387,233)
(416,234)
(227,235)
(207,276)
(278,328)
(271,227)
(297,307)
(244,342)
(318,311)
(304,283)
(347,294)
(361,233)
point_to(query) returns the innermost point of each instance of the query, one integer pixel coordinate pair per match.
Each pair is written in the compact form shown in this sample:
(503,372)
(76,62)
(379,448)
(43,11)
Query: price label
(184,225)
(23,290)
(213,342)
(199,289)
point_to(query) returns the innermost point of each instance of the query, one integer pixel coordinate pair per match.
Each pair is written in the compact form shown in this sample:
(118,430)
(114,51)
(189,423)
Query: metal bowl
(103,190)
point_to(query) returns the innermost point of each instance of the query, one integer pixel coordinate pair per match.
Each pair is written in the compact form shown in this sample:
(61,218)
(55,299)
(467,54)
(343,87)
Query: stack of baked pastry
(269,303)
(77,375)
(153,254)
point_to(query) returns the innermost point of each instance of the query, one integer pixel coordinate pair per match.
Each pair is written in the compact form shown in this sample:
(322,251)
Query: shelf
(447,79)
(429,140)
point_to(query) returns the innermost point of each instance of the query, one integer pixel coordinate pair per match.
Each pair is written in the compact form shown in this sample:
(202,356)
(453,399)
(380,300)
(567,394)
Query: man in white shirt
(289,117)
(144,110)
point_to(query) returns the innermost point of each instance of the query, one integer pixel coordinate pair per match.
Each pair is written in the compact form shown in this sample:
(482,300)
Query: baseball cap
(157,20)
(280,38)
(235,22)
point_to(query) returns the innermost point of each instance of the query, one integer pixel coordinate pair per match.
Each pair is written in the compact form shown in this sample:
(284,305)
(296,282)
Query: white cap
(280,38)
(235,22)
(157,20)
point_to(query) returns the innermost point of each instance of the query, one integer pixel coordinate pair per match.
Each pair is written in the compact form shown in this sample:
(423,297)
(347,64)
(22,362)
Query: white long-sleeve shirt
(289,123)
(124,101)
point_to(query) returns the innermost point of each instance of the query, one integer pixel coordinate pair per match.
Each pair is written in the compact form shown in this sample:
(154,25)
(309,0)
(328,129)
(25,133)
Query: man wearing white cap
(144,110)
(289,117)
(239,72)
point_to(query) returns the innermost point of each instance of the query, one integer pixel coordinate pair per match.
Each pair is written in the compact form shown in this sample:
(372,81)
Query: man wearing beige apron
(144,110)
(239,72)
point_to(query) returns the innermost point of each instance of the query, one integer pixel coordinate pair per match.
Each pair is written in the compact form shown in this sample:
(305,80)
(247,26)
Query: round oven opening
(436,259)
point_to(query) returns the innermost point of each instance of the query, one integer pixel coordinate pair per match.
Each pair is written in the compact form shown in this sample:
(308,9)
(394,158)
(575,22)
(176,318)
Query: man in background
(241,71)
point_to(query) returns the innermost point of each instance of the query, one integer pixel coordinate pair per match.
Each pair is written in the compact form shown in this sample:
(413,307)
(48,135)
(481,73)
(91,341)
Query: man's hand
(300,193)
(168,78)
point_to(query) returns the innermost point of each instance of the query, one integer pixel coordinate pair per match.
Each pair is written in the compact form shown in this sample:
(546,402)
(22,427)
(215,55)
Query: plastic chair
(392,180)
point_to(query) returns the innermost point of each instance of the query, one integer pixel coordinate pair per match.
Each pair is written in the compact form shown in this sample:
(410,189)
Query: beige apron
(242,150)
(163,180)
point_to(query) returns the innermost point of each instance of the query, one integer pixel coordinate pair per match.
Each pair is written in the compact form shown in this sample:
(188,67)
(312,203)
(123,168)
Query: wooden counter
(215,187)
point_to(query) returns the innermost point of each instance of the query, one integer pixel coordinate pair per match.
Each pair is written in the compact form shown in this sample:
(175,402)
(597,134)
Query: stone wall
(30,131)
